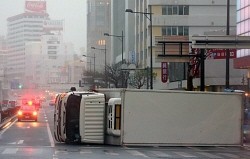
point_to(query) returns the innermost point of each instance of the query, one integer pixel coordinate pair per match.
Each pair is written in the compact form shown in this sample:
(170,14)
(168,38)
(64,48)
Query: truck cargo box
(154,117)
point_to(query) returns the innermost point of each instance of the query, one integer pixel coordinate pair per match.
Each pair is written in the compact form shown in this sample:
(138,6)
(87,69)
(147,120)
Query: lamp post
(121,38)
(94,61)
(151,52)
(105,52)
(227,50)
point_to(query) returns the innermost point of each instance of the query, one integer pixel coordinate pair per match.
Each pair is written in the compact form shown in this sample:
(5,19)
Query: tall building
(98,23)
(179,20)
(243,56)
(37,55)
(23,28)
(3,66)
(117,30)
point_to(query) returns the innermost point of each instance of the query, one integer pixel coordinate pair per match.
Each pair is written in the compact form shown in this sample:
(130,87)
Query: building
(37,54)
(98,23)
(23,28)
(3,67)
(243,56)
(179,20)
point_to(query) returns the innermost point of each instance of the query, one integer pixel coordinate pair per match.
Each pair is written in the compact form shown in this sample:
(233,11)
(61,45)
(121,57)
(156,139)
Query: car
(37,104)
(27,112)
(52,102)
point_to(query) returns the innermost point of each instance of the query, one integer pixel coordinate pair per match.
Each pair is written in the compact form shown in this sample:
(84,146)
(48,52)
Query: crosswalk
(137,153)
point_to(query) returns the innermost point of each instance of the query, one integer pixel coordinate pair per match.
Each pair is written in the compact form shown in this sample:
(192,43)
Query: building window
(175,10)
(175,30)
(52,47)
(51,52)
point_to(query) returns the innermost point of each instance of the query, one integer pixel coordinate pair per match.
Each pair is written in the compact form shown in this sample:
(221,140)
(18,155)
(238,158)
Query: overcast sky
(73,12)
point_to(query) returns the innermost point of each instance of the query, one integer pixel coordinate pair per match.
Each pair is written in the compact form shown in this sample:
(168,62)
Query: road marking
(20,142)
(160,154)
(111,153)
(184,154)
(10,151)
(136,153)
(61,152)
(85,151)
(229,155)
(52,143)
(209,155)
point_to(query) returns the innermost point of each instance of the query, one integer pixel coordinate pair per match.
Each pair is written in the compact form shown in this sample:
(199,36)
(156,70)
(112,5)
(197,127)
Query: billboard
(53,25)
(220,53)
(35,6)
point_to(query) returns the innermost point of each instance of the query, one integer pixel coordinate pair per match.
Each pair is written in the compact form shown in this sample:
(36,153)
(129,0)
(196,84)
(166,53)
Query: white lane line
(184,154)
(136,153)
(20,142)
(10,151)
(229,155)
(209,155)
(85,151)
(160,154)
(111,153)
(61,152)
(52,143)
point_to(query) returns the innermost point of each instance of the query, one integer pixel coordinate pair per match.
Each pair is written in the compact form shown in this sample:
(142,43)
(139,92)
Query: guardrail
(7,115)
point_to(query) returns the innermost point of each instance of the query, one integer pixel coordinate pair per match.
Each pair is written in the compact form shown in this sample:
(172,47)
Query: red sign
(220,53)
(35,6)
(164,72)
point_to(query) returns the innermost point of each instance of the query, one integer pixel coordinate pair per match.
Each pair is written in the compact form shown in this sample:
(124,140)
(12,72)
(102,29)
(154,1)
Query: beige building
(181,19)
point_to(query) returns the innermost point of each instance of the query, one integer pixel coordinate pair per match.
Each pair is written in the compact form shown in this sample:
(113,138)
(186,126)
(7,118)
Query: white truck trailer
(173,118)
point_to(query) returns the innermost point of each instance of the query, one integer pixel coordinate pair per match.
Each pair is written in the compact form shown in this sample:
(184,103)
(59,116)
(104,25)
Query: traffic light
(16,85)
(20,86)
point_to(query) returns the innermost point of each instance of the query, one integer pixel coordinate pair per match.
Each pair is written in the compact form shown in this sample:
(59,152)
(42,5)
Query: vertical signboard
(164,72)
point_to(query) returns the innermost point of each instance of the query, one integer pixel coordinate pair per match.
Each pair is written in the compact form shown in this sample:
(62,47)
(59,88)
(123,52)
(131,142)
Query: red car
(27,112)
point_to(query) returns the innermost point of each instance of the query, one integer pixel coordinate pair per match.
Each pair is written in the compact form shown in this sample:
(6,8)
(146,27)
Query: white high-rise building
(22,28)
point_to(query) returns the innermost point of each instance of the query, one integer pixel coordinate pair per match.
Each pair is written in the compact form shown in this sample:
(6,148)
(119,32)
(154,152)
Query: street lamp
(151,52)
(227,50)
(94,61)
(119,36)
(105,52)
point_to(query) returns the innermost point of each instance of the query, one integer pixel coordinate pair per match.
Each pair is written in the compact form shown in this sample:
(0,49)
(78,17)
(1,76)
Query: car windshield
(30,108)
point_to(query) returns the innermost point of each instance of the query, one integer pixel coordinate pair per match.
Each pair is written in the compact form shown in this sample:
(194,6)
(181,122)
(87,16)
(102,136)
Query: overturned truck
(79,117)
(152,117)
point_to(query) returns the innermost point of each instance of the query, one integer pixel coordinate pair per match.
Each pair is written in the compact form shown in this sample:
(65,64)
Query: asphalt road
(34,140)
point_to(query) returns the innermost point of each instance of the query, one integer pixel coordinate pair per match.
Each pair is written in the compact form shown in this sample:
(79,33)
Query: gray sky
(73,12)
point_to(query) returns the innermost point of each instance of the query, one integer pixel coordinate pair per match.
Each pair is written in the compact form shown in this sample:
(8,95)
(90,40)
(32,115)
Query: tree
(138,79)
(117,76)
